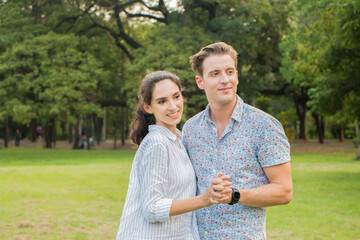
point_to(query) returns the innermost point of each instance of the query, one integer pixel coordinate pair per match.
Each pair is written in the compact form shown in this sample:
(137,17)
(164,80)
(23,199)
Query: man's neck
(221,115)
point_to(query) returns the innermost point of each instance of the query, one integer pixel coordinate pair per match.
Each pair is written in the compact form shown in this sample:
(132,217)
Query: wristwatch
(235,196)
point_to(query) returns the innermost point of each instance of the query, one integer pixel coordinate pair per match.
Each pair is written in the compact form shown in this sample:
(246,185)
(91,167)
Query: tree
(49,76)
(299,48)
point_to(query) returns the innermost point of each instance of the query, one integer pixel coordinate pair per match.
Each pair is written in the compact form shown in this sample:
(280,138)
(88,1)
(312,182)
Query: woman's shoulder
(152,140)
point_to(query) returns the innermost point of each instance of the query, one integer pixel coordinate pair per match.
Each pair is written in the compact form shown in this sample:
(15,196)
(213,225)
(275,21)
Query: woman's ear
(147,108)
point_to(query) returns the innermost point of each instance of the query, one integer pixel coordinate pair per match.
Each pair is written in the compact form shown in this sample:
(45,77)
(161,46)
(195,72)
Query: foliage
(48,76)
(168,47)
(17,23)
(64,59)
(321,56)
(339,59)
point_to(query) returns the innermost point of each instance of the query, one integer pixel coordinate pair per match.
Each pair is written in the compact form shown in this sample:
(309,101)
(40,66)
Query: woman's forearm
(190,204)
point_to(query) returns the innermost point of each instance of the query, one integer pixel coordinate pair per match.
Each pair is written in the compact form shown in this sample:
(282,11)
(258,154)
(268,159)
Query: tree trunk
(319,122)
(116,121)
(357,134)
(63,129)
(70,132)
(103,130)
(97,127)
(6,133)
(33,132)
(89,132)
(342,135)
(302,134)
(53,134)
(48,133)
(77,134)
(301,113)
(123,126)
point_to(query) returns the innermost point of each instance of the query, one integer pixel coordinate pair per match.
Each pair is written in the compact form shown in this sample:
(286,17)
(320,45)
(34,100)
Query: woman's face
(166,104)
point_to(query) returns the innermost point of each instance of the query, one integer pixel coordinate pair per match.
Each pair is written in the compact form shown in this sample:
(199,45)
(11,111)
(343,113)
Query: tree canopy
(68,61)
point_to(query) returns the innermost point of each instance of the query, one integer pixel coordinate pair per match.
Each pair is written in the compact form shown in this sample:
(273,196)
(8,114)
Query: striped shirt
(161,172)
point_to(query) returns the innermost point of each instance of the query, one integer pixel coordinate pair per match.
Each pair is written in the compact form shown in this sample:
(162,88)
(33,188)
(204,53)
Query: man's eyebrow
(213,71)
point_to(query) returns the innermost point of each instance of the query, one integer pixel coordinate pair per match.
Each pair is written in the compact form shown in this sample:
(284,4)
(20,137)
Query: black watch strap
(235,196)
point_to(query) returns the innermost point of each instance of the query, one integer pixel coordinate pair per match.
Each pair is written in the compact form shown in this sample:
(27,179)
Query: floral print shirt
(252,140)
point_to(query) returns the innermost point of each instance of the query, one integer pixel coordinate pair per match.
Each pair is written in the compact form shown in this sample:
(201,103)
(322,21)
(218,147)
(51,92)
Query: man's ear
(147,108)
(199,82)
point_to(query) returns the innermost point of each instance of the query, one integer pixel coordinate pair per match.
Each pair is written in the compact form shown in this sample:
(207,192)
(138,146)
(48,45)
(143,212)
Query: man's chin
(225,100)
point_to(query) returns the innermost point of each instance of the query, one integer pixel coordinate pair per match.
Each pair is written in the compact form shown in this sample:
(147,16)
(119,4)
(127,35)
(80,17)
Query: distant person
(83,138)
(17,137)
(162,187)
(39,131)
(83,142)
(239,140)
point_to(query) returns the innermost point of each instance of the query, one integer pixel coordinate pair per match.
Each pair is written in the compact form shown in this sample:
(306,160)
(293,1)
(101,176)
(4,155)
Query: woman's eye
(161,102)
(177,96)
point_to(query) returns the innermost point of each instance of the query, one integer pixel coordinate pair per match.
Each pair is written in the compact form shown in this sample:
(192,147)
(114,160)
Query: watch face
(236,195)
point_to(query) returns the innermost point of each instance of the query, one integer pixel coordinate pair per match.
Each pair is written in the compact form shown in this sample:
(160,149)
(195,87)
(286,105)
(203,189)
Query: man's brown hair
(219,48)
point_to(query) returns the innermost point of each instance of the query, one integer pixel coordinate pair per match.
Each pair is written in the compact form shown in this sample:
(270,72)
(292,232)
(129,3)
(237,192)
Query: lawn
(74,194)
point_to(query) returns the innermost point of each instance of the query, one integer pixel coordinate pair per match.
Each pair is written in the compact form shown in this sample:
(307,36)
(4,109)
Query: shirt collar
(166,132)
(236,114)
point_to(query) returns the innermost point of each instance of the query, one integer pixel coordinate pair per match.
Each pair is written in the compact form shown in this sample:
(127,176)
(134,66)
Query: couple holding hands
(229,163)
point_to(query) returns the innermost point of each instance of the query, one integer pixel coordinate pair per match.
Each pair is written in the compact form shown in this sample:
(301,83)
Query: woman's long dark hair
(142,119)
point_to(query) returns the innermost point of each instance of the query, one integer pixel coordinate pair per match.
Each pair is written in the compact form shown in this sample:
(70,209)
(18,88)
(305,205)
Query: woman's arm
(154,176)
(157,206)
(204,200)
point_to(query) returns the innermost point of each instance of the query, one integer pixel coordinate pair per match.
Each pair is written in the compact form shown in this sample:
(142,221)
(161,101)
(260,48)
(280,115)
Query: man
(238,140)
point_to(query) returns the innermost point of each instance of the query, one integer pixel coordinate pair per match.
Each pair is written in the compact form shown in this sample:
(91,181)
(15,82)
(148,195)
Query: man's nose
(224,78)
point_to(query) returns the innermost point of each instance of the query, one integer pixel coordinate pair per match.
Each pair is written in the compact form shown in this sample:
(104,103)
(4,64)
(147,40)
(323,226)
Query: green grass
(62,194)
(325,202)
(69,194)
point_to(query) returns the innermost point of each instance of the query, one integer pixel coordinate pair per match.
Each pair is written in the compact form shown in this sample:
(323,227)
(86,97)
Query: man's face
(219,80)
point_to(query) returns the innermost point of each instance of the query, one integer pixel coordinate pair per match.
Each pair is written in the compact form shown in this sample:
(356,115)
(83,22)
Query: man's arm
(277,192)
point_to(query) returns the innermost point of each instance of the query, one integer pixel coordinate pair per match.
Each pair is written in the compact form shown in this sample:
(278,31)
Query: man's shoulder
(195,120)
(258,116)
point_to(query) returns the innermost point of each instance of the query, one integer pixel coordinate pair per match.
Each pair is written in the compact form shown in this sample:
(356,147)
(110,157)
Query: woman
(162,188)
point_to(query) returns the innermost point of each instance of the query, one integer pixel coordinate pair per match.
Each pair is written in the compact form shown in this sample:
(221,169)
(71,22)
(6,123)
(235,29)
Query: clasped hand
(220,190)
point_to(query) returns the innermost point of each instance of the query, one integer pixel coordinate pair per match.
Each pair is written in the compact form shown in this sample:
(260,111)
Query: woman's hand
(220,189)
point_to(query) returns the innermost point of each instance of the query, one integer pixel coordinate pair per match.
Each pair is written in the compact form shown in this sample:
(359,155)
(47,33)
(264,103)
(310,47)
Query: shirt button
(216,150)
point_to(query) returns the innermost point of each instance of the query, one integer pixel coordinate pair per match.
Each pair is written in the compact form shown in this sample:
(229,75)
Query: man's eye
(161,102)
(177,96)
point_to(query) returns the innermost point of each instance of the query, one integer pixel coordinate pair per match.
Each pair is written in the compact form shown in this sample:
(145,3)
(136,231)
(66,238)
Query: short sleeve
(156,207)
(274,147)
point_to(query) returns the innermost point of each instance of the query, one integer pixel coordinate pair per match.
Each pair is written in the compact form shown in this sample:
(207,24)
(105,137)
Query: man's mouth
(228,89)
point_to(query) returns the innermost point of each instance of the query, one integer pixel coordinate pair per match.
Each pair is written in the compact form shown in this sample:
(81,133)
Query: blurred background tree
(74,66)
